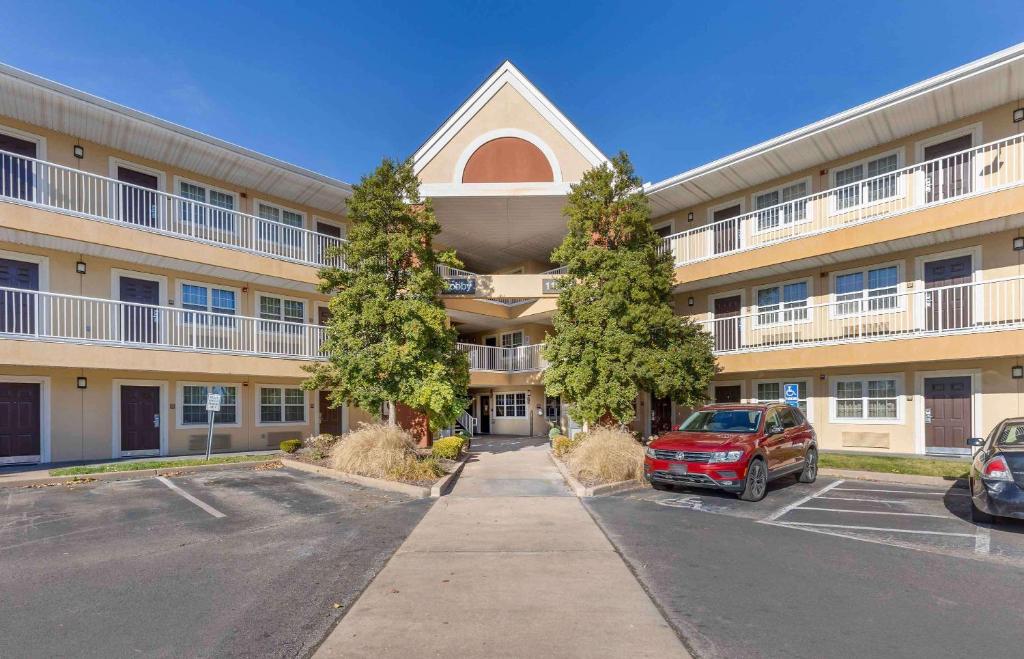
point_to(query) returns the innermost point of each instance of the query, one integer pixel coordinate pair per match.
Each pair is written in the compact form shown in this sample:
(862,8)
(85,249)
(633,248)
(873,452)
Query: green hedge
(448,448)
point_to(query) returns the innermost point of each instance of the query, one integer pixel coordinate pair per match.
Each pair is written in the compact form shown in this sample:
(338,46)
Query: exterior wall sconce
(82,382)
(78,150)
(1018,115)
(689,301)
(80,267)
(1017,372)
(1018,243)
(689,216)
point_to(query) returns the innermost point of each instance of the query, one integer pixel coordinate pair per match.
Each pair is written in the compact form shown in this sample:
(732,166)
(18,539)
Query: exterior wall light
(689,216)
(80,267)
(1018,115)
(1018,243)
(82,382)
(78,150)
(689,301)
(1017,372)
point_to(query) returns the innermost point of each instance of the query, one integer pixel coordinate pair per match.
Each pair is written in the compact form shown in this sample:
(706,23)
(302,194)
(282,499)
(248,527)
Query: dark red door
(19,422)
(140,418)
(947,416)
(330,419)
(17,175)
(952,174)
(661,415)
(17,308)
(140,322)
(727,229)
(950,306)
(727,393)
(138,206)
(727,325)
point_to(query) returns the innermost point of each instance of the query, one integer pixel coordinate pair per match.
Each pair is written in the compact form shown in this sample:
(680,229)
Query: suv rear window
(722,421)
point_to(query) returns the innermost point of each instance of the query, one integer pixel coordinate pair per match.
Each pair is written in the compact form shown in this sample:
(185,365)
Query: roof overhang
(41,102)
(961,92)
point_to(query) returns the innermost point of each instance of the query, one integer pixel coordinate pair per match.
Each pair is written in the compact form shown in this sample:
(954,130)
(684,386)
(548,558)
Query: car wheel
(756,484)
(810,471)
(979,516)
(660,486)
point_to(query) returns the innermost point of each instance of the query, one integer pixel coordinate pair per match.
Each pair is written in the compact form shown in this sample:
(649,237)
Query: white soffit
(961,92)
(41,102)
(507,73)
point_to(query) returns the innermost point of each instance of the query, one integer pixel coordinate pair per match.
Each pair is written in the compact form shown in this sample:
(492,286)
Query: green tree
(388,341)
(615,331)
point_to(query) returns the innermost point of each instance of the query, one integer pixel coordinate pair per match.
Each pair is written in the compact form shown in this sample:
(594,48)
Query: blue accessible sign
(792,394)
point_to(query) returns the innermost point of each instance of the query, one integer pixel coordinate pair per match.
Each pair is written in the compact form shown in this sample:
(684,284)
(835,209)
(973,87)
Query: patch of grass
(155,464)
(950,469)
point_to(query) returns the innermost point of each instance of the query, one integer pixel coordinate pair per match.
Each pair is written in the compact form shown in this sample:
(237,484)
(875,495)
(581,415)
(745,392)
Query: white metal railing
(46,185)
(884,314)
(468,421)
(972,172)
(509,360)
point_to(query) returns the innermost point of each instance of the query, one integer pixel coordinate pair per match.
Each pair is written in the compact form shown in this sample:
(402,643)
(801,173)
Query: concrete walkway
(509,565)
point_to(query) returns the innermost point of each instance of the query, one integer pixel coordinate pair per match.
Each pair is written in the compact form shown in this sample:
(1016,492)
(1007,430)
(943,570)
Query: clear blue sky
(335,86)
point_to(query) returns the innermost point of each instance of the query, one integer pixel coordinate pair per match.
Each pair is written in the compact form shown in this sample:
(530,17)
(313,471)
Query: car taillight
(996,469)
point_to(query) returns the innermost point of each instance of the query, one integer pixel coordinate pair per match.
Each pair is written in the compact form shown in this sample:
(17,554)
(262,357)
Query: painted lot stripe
(874,528)
(785,509)
(923,492)
(872,512)
(898,501)
(983,540)
(205,506)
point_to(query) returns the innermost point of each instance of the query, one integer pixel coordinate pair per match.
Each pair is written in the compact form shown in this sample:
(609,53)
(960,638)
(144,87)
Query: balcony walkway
(510,564)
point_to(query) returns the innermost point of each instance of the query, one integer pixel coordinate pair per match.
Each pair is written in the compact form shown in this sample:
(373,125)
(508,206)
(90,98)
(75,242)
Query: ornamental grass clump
(383,451)
(607,455)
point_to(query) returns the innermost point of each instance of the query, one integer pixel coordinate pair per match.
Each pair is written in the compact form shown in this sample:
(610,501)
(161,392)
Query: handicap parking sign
(792,394)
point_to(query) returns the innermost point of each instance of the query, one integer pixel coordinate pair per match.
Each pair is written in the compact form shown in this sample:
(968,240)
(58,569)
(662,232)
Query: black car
(997,473)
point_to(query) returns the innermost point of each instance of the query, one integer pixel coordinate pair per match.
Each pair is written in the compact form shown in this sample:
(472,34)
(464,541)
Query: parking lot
(242,563)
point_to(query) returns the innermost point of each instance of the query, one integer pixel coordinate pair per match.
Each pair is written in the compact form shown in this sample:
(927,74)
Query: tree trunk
(392,413)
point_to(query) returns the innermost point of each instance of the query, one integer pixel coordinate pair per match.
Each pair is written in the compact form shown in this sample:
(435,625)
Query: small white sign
(213,402)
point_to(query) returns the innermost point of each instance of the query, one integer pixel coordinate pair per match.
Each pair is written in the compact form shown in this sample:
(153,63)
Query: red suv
(737,448)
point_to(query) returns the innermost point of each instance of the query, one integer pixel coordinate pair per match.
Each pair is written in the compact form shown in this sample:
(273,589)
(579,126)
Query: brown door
(948,308)
(727,230)
(727,325)
(485,414)
(140,322)
(727,393)
(323,316)
(138,206)
(330,419)
(661,415)
(19,422)
(17,308)
(947,415)
(17,176)
(140,418)
(952,174)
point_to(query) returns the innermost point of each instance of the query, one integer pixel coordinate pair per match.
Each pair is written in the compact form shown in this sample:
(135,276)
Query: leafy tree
(388,340)
(615,331)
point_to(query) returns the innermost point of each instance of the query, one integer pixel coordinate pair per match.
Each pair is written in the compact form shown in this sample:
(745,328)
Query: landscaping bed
(604,459)
(948,469)
(140,465)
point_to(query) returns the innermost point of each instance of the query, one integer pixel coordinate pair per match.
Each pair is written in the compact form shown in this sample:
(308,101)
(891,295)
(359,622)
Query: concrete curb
(445,485)
(582,491)
(14,481)
(882,477)
(415,491)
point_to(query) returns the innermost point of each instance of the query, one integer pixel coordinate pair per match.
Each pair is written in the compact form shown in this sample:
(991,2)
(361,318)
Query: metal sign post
(792,394)
(212,407)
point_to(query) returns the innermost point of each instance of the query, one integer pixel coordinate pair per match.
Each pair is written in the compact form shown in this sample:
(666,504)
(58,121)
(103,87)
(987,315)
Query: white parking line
(863,499)
(785,509)
(874,512)
(205,506)
(983,540)
(938,494)
(874,528)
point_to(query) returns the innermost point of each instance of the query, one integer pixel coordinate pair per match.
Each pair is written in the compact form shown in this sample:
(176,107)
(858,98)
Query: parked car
(997,473)
(736,448)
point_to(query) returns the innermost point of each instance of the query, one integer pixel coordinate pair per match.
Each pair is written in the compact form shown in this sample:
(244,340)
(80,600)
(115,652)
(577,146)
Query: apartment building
(872,258)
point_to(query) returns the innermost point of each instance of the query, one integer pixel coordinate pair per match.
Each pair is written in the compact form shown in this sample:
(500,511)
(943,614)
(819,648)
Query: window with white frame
(224,220)
(201,297)
(782,303)
(281,309)
(867,290)
(282,216)
(866,399)
(193,404)
(782,205)
(850,193)
(774,392)
(282,405)
(511,405)
(512,339)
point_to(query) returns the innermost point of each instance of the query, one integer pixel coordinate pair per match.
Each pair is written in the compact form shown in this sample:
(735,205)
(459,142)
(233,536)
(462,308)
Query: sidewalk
(509,565)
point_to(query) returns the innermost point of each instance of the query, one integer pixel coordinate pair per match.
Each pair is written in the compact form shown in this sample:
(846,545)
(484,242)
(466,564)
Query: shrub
(561,445)
(448,448)
(320,446)
(291,445)
(554,431)
(383,451)
(607,455)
